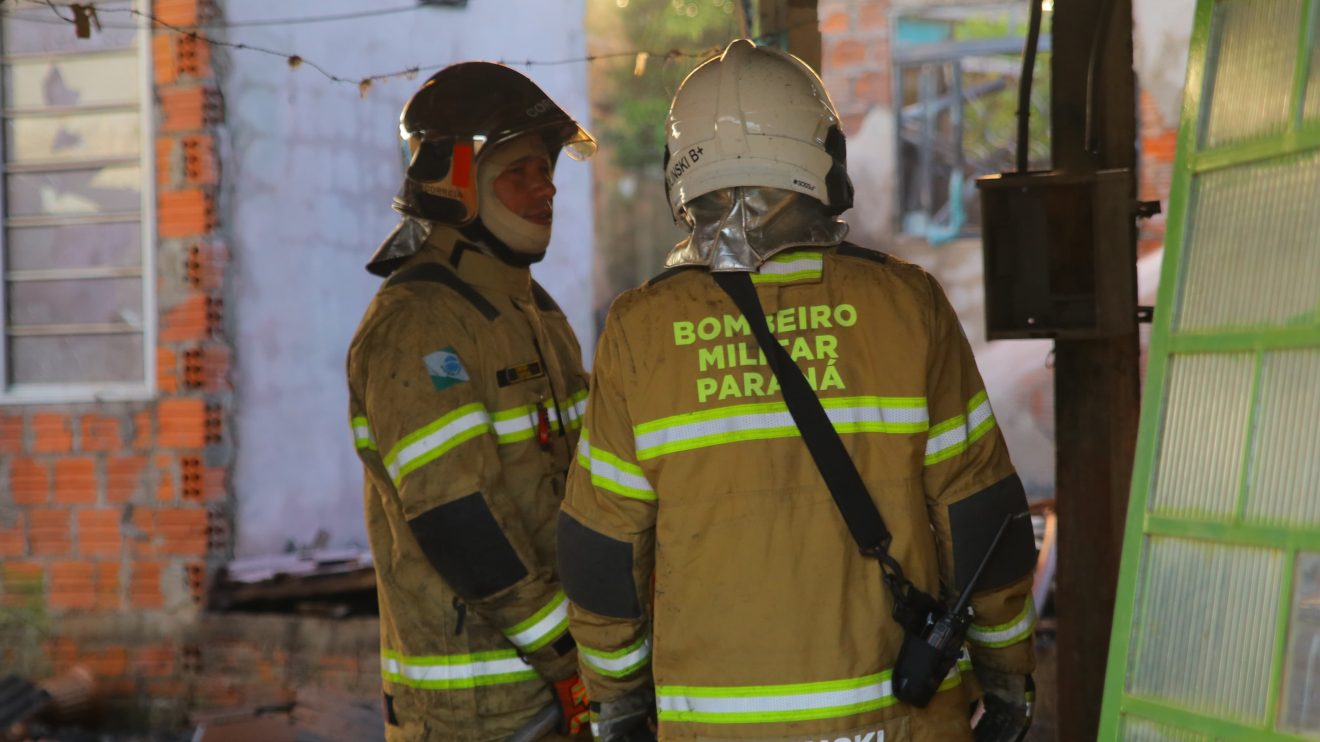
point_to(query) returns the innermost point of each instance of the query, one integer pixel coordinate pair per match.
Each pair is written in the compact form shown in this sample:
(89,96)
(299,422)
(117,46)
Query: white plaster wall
(309,171)
(1162,34)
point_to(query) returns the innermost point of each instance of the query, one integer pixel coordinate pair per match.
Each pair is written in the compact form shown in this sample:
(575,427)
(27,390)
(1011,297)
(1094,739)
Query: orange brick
(167,369)
(13,536)
(99,532)
(51,433)
(186,109)
(181,531)
(144,585)
(162,58)
(123,477)
(156,661)
(872,88)
(192,57)
(107,586)
(185,213)
(164,478)
(11,434)
(1162,147)
(63,652)
(75,481)
(72,584)
(874,16)
(100,433)
(214,483)
(836,22)
(48,532)
(186,321)
(165,149)
(29,482)
(182,423)
(199,167)
(23,582)
(845,54)
(178,12)
(106,663)
(144,434)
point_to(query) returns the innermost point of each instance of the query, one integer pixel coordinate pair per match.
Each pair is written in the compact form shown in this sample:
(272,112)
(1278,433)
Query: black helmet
(456,115)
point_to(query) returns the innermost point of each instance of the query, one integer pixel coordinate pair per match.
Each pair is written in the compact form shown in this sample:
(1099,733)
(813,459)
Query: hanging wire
(363,84)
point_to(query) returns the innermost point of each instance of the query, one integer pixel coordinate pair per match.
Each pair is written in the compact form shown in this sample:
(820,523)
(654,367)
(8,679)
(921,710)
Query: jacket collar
(447,247)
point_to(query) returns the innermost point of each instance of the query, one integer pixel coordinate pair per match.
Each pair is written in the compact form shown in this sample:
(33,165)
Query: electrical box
(1059,257)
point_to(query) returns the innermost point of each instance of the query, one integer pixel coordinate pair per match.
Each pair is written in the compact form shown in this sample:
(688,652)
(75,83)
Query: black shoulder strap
(857,251)
(832,459)
(436,273)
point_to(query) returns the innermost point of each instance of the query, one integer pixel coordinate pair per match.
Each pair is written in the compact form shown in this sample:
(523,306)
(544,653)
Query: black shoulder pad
(543,300)
(596,570)
(974,521)
(436,273)
(464,543)
(857,251)
(667,274)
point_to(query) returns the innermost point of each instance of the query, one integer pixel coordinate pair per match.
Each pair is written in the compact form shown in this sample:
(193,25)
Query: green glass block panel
(1204,637)
(1249,72)
(1140,730)
(1250,256)
(1299,707)
(1285,467)
(1205,427)
(1311,112)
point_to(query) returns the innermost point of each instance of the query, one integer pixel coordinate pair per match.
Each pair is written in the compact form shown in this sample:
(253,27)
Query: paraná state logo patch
(445,369)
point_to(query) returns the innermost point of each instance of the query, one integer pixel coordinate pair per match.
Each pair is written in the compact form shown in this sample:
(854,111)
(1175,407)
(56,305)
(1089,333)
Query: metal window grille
(77,226)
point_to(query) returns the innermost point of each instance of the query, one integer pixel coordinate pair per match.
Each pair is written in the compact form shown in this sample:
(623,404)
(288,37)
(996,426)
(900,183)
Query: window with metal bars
(76,231)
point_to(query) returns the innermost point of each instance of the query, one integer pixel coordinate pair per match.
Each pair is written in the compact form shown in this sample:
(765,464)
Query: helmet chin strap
(480,234)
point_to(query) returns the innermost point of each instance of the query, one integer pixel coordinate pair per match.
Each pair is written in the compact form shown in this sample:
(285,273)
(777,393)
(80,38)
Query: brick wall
(855,56)
(1158,142)
(122,509)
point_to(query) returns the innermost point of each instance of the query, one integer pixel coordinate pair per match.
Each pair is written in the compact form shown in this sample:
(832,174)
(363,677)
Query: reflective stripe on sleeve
(433,441)
(762,704)
(542,627)
(953,436)
(575,409)
(362,437)
(749,422)
(619,663)
(1008,633)
(613,474)
(789,267)
(453,672)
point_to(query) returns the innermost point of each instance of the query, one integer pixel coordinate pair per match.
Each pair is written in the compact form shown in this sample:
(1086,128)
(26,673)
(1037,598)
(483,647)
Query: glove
(1009,706)
(572,697)
(630,718)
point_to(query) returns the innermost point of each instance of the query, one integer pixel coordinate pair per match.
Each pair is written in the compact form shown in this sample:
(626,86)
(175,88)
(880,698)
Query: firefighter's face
(527,188)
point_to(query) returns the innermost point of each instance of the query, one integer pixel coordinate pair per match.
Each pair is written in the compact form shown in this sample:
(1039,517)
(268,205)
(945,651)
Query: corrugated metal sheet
(1285,470)
(1312,110)
(1140,730)
(1205,426)
(1251,257)
(1248,62)
(1207,627)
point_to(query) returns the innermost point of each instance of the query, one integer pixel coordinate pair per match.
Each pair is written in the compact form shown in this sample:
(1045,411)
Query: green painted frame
(1299,137)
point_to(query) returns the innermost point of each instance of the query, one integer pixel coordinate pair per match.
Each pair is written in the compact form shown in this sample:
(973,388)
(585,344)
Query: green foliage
(24,628)
(631,109)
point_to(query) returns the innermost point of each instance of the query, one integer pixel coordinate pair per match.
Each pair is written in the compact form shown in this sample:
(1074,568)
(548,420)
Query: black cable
(1024,85)
(1093,72)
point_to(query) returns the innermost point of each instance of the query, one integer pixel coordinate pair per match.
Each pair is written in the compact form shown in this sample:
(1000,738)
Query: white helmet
(755,116)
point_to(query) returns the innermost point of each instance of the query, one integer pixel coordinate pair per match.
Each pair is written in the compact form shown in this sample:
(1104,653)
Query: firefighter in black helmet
(466,398)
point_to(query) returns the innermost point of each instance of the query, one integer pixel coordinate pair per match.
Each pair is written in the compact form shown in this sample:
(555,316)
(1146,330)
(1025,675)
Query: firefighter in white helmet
(714,582)
(466,395)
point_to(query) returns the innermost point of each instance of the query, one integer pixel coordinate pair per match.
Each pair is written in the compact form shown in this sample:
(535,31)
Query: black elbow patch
(466,546)
(974,521)
(596,571)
